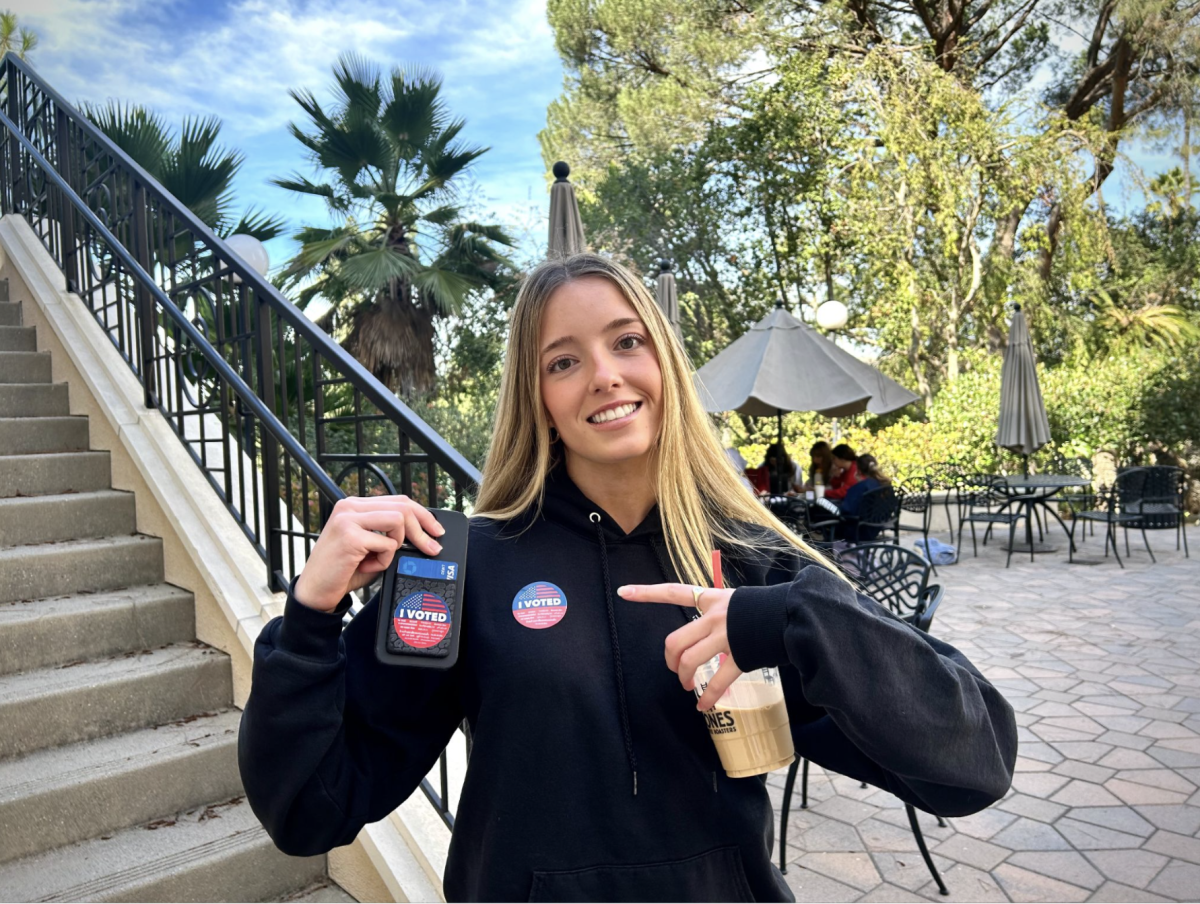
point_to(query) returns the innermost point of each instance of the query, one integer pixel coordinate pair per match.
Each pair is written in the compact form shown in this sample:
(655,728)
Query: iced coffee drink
(749,723)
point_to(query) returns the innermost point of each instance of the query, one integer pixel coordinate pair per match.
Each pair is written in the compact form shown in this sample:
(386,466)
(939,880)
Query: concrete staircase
(118,734)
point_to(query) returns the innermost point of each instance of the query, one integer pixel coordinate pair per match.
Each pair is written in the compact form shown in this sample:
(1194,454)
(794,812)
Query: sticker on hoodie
(422,619)
(539,605)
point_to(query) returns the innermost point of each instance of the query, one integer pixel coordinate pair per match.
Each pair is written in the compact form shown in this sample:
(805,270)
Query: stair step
(81,791)
(33,400)
(46,474)
(214,853)
(66,516)
(24,367)
(18,339)
(40,634)
(10,313)
(325,892)
(77,566)
(95,698)
(30,435)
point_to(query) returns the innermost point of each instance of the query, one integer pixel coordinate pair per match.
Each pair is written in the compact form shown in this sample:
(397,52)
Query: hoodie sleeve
(331,739)
(881,701)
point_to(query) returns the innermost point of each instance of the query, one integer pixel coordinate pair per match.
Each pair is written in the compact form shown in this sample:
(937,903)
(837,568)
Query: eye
(630,341)
(554,368)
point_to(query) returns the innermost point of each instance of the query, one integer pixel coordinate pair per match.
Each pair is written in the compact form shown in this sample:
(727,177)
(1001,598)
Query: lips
(614,412)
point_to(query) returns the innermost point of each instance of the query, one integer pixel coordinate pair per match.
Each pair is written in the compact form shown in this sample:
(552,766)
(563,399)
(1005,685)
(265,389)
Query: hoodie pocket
(712,876)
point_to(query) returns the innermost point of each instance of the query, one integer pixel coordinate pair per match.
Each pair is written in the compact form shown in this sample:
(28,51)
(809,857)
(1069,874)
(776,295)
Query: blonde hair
(699,495)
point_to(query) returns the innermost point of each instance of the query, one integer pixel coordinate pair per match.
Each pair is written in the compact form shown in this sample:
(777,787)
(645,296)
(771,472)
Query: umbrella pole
(779,422)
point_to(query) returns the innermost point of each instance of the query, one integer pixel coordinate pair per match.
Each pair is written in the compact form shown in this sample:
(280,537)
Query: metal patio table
(1029,490)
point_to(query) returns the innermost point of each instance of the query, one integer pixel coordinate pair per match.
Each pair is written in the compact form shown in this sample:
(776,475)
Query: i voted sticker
(539,605)
(422,619)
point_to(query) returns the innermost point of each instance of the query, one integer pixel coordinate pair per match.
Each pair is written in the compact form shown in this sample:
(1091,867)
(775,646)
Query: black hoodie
(592,776)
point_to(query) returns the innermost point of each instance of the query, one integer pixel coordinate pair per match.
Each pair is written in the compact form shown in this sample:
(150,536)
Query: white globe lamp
(832,315)
(251,251)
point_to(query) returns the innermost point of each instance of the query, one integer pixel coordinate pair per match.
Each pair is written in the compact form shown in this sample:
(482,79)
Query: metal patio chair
(1161,506)
(1117,506)
(982,501)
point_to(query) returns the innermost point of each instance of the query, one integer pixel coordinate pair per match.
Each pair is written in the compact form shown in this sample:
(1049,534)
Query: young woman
(871,477)
(845,471)
(592,775)
(783,474)
(820,462)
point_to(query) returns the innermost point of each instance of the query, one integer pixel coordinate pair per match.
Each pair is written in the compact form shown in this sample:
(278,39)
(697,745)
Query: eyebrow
(616,324)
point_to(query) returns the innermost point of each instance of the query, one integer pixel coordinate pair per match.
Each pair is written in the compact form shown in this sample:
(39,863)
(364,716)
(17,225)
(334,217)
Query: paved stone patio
(1103,669)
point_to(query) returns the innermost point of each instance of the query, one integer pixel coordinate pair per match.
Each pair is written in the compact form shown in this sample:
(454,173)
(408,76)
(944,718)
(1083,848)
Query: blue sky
(236,59)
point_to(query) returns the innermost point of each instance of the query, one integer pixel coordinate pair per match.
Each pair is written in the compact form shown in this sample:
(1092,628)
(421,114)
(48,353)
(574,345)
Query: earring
(553,436)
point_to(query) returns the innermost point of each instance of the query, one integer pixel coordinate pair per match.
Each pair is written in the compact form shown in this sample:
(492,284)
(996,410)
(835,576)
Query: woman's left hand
(696,642)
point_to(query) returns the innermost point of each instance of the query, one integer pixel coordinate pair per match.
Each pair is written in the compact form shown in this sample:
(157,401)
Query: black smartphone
(420,603)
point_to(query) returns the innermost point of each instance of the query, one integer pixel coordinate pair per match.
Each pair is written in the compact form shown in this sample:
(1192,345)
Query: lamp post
(833,316)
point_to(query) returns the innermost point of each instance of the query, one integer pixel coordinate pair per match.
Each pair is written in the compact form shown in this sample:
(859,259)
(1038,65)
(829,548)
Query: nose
(606,374)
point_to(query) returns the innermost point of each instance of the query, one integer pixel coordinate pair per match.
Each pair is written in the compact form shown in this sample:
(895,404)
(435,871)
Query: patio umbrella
(1024,427)
(668,299)
(780,364)
(566,228)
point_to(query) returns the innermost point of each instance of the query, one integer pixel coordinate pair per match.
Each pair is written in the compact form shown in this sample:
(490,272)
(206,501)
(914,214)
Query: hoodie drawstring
(616,647)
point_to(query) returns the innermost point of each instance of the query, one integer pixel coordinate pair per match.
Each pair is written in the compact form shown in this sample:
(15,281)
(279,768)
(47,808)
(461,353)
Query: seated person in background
(783,475)
(871,478)
(845,472)
(821,463)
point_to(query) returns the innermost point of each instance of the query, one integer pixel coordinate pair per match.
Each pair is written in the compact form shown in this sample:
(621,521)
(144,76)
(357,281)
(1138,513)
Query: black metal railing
(280,419)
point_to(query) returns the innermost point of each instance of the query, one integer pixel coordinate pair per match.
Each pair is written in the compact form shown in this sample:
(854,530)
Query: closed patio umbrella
(1024,427)
(668,298)
(566,227)
(780,364)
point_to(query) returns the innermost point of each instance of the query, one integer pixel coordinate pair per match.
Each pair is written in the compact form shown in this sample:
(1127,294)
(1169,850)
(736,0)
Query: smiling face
(600,378)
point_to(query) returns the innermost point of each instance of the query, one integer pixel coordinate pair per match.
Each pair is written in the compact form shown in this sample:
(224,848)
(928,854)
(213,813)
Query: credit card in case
(421,601)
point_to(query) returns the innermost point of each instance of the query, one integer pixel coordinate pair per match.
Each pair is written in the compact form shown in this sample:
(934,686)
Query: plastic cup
(749,723)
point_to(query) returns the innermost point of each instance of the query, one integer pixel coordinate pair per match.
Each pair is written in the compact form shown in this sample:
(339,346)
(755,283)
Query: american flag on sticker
(424,602)
(539,605)
(421,619)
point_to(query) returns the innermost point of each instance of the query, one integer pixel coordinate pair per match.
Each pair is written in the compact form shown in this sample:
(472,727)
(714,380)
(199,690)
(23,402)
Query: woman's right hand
(359,541)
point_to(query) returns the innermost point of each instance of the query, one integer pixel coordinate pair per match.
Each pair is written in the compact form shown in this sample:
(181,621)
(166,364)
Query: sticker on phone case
(422,619)
(539,605)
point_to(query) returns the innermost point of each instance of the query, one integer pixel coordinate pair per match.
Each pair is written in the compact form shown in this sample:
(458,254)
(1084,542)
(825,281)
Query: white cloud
(247,58)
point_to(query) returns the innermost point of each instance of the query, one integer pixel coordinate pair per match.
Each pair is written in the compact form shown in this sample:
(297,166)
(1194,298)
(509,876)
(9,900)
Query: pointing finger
(671,594)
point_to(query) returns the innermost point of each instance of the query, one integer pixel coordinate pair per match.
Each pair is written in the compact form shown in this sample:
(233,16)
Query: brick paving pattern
(1103,669)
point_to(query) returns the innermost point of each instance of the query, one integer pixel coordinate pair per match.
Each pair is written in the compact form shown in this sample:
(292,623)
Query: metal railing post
(67,222)
(272,491)
(16,173)
(147,316)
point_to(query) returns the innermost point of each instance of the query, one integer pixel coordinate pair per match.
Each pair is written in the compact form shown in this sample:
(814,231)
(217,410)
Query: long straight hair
(700,498)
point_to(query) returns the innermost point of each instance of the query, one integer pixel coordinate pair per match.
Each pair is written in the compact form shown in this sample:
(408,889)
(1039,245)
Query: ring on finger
(696,591)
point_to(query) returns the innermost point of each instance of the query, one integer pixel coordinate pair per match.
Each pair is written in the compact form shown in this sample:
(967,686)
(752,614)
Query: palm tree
(402,253)
(199,172)
(191,165)
(14,39)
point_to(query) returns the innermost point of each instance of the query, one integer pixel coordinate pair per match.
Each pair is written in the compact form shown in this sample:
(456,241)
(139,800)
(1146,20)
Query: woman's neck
(624,489)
